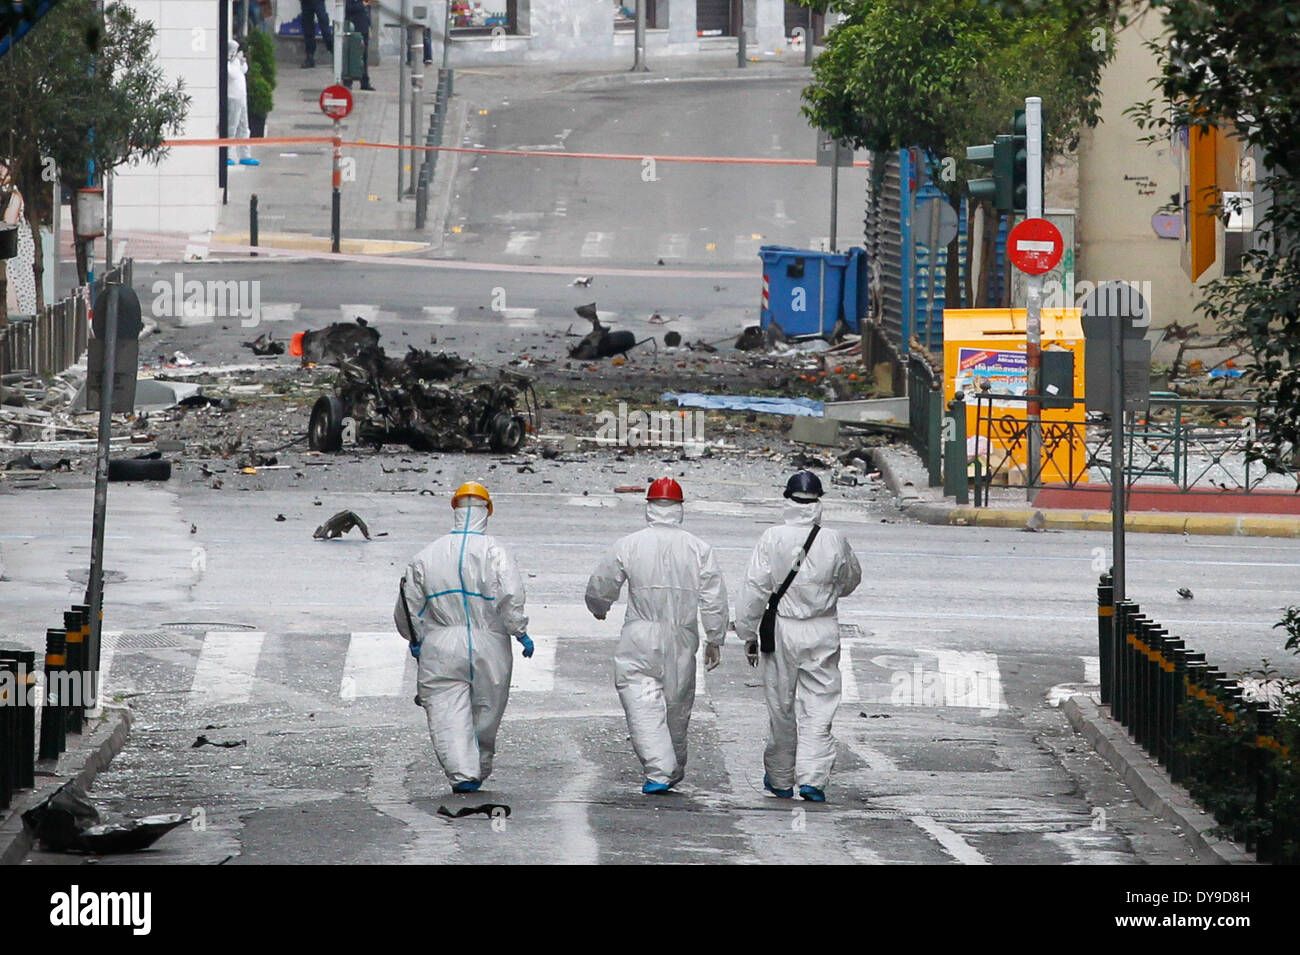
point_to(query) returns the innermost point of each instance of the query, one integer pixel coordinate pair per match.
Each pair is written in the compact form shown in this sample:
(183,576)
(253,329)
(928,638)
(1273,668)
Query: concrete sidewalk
(906,477)
(89,754)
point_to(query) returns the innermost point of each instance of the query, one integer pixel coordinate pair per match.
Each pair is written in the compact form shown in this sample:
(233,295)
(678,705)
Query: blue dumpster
(806,292)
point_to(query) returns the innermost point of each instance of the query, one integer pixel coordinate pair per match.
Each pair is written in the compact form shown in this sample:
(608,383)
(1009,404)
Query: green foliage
(1234,63)
(261,56)
(945,74)
(260,98)
(76,92)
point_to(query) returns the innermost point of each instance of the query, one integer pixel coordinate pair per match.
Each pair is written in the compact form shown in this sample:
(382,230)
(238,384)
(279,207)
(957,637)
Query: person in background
(357,13)
(313,14)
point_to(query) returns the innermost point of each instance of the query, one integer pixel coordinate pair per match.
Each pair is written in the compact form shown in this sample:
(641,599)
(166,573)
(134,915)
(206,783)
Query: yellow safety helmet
(473,489)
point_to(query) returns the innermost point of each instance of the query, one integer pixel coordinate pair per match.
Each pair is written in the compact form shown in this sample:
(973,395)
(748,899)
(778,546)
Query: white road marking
(522,243)
(596,245)
(107,651)
(1091,669)
(673,245)
(227,665)
(351,312)
(375,665)
(279,311)
(592,502)
(958,678)
(970,679)
(953,844)
(536,674)
(850,682)
(441,314)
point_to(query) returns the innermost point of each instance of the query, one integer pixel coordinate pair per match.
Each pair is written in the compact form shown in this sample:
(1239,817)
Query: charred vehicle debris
(415,400)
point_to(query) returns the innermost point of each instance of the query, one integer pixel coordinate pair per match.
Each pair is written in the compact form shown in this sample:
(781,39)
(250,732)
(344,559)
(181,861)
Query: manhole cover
(80,575)
(201,626)
(145,640)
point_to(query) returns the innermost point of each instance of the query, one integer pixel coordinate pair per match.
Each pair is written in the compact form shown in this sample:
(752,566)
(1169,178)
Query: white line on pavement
(227,665)
(350,312)
(522,243)
(596,245)
(375,665)
(953,844)
(850,682)
(441,314)
(536,674)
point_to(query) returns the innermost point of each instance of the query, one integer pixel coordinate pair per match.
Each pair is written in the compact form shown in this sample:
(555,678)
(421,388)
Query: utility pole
(402,157)
(446,36)
(808,40)
(638,63)
(339,25)
(835,192)
(1034,292)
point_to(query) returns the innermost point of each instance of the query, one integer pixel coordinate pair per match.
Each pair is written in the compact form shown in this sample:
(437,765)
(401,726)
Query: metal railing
(48,343)
(437,126)
(925,413)
(1200,726)
(1172,442)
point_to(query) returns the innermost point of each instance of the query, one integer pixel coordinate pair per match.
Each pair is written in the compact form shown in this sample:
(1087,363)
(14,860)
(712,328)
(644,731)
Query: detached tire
(507,432)
(139,469)
(325,431)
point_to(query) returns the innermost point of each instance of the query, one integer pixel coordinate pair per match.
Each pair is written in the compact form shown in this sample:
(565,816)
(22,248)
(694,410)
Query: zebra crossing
(230,668)
(701,247)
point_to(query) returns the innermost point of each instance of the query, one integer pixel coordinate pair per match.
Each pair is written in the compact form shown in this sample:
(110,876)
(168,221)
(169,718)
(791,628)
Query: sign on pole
(1035,246)
(336,102)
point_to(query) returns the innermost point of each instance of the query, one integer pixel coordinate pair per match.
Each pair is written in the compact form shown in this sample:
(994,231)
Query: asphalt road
(249,630)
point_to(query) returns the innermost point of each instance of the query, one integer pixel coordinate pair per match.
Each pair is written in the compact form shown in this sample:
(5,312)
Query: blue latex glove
(526,642)
(415,649)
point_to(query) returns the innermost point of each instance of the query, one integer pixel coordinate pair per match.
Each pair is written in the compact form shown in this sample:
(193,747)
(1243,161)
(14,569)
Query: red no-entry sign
(336,102)
(1035,246)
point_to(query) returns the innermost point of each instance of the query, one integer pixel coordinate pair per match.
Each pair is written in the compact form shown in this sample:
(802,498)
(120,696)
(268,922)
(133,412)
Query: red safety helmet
(664,489)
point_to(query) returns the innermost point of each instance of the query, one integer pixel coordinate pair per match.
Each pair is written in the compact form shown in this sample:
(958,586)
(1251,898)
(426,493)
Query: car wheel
(325,432)
(507,432)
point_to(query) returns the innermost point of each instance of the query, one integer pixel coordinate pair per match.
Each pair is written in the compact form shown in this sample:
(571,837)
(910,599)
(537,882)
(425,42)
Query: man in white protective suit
(801,671)
(673,582)
(459,603)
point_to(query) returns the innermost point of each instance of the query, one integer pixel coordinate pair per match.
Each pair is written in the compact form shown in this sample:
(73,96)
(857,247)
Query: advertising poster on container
(1006,372)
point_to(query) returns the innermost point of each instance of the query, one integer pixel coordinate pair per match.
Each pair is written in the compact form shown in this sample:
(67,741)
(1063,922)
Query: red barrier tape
(538,153)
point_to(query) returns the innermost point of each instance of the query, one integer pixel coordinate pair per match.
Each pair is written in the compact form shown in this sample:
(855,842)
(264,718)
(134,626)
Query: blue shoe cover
(782,793)
(467,787)
(250,162)
(812,794)
(650,788)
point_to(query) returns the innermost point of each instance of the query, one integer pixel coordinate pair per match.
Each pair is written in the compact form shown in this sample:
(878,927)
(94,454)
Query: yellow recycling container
(987,345)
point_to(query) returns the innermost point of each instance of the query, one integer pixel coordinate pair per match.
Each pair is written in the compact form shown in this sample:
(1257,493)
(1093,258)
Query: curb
(1150,784)
(775,72)
(1139,522)
(81,765)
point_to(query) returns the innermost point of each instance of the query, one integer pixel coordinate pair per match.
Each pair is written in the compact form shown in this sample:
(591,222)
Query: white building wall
(179,194)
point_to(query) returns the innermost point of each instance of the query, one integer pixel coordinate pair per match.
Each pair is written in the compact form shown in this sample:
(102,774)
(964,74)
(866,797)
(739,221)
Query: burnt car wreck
(416,400)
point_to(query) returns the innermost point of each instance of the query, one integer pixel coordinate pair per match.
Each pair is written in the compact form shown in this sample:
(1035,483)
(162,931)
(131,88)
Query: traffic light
(1000,157)
(1019,163)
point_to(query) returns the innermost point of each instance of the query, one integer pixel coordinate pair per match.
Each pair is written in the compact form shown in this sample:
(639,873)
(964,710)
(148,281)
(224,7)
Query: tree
(946,74)
(80,90)
(1233,64)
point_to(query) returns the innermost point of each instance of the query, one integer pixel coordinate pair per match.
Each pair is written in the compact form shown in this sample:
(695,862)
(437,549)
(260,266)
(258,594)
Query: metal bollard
(77,667)
(23,664)
(954,453)
(1105,626)
(54,738)
(8,731)
(740,48)
(252,222)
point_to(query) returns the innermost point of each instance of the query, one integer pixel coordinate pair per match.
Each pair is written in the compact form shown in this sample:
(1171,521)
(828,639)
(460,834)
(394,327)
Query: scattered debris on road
(68,822)
(340,524)
(489,809)
(225,744)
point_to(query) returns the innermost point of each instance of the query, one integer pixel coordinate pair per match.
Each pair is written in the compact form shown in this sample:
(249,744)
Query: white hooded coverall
(237,101)
(672,579)
(801,678)
(465,598)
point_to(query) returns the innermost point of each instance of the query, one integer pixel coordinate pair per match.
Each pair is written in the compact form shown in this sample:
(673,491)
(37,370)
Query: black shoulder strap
(798,562)
(406,609)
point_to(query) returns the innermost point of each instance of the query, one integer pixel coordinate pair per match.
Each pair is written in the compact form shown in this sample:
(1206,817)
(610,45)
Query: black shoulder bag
(767,626)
